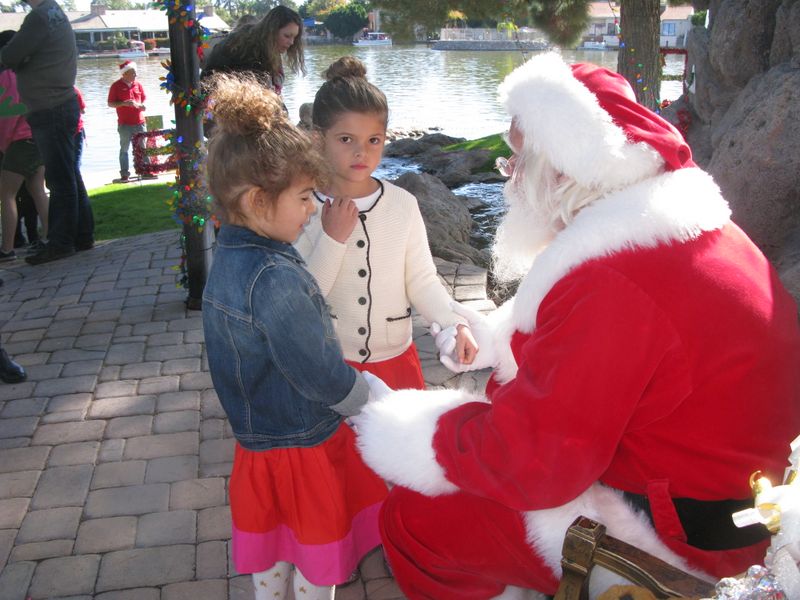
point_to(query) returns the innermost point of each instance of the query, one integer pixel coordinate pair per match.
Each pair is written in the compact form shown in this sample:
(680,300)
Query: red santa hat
(586,121)
(128,65)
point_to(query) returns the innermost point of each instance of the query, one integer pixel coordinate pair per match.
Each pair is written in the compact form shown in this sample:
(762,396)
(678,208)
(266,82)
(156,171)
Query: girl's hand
(466,346)
(339,218)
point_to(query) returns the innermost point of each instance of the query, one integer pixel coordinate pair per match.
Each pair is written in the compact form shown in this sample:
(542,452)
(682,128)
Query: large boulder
(447,219)
(745,119)
(416,146)
(756,157)
(786,41)
(711,97)
(741,37)
(454,168)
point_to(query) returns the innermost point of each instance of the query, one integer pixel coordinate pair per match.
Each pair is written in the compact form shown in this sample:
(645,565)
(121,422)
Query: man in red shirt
(127,96)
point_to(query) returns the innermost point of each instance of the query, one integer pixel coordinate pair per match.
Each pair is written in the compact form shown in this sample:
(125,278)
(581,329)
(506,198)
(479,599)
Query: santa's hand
(487,357)
(377,387)
(445,339)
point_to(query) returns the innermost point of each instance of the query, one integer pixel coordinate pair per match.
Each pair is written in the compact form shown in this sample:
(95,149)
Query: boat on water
(373,38)
(135,49)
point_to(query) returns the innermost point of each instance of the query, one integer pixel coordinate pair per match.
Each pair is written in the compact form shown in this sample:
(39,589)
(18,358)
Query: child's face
(353,146)
(283,219)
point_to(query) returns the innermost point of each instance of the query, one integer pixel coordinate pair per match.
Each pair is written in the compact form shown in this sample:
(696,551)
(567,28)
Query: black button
(362,352)
(360,243)
(362,273)
(363,217)
(362,301)
(362,330)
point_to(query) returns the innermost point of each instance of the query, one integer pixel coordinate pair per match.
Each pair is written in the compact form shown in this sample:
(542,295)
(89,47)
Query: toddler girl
(368,248)
(300,495)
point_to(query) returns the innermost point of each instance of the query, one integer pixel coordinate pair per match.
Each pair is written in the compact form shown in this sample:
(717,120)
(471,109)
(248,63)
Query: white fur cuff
(395,437)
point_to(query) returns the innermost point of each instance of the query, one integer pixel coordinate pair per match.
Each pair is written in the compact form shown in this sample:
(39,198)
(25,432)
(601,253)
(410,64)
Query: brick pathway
(115,453)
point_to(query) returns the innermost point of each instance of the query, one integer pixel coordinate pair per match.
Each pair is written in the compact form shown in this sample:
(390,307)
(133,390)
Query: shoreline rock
(448,221)
(453,168)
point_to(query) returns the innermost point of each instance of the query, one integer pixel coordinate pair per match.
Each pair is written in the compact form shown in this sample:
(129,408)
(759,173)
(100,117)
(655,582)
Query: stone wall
(745,119)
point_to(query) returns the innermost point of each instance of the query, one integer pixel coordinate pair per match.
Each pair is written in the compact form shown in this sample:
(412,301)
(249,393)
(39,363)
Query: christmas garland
(147,151)
(189,201)
(179,11)
(684,118)
(189,100)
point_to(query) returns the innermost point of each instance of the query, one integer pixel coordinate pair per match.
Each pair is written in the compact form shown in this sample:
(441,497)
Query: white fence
(524,34)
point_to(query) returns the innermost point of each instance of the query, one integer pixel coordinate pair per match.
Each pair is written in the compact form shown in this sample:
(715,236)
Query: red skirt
(316,508)
(402,372)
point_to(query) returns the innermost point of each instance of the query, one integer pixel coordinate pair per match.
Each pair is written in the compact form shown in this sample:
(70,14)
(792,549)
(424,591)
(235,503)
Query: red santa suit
(651,349)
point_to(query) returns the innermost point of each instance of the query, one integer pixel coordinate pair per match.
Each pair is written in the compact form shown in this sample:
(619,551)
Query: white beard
(526,229)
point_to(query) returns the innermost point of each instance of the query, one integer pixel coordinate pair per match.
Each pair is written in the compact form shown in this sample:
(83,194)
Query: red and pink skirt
(316,508)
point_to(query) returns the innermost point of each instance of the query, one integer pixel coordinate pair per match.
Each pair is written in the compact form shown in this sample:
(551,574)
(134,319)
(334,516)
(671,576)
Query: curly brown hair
(254,144)
(256,43)
(346,89)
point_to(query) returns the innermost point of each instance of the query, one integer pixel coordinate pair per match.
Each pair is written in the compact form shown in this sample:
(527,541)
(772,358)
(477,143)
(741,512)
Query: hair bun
(346,66)
(242,105)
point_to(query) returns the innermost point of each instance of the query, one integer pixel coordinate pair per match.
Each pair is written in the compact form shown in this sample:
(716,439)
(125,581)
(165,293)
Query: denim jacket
(274,358)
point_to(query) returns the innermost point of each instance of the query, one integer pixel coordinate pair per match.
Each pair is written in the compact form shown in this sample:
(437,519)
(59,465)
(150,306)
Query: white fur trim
(516,593)
(546,530)
(672,207)
(395,437)
(563,120)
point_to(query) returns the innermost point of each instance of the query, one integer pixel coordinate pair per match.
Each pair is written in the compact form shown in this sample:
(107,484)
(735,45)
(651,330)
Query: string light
(179,11)
(189,201)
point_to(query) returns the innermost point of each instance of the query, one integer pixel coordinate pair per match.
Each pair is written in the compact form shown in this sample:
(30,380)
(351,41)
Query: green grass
(494,143)
(124,210)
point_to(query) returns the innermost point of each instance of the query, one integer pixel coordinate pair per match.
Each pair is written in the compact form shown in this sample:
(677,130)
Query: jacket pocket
(332,327)
(398,329)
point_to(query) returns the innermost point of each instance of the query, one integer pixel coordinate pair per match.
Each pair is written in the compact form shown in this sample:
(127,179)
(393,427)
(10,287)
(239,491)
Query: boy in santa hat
(127,96)
(645,368)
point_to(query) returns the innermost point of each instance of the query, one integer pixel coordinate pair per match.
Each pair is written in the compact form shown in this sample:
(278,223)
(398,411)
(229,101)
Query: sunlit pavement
(115,453)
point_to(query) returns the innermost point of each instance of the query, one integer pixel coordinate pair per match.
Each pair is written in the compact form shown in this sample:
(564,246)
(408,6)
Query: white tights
(273,584)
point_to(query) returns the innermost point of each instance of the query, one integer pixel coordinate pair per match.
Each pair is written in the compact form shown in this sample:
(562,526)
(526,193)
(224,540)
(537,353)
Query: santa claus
(647,365)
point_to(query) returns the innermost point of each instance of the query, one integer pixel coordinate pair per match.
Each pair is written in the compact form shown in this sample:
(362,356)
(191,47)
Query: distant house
(99,23)
(675,24)
(604,20)
(603,23)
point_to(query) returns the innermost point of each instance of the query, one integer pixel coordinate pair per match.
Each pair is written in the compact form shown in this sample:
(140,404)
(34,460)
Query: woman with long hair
(259,47)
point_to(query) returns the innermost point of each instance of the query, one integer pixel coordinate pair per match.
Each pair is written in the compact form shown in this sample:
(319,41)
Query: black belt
(708,523)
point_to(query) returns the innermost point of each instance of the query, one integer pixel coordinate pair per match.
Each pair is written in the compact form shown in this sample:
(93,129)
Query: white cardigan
(372,281)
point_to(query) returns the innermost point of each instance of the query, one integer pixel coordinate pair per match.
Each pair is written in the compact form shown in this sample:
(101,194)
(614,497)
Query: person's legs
(29,216)
(138,144)
(10,371)
(54,132)
(9,184)
(125,134)
(273,584)
(85,237)
(35,186)
(306,590)
(458,546)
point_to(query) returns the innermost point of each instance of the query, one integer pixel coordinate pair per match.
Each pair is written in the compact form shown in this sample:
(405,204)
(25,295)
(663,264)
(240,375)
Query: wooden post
(189,129)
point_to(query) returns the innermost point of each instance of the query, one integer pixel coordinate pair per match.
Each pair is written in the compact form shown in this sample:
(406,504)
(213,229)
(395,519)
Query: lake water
(452,90)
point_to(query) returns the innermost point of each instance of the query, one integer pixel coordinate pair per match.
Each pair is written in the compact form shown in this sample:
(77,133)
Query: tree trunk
(639,60)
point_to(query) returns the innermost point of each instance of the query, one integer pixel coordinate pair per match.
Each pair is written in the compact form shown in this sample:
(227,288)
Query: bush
(162,42)
(106,45)
(699,18)
(150,43)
